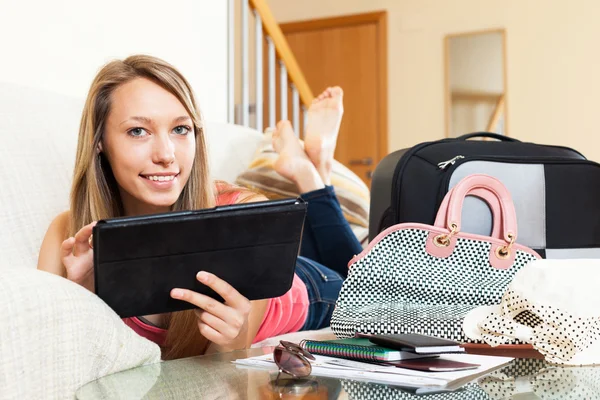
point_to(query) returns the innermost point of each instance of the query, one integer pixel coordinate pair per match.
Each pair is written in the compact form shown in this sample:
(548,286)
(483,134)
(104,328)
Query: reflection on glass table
(216,377)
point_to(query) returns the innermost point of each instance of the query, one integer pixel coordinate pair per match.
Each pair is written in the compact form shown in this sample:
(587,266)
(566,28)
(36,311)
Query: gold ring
(91,241)
(503,252)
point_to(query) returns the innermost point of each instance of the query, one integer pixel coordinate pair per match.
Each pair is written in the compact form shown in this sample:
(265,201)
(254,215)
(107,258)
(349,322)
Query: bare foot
(293,163)
(322,126)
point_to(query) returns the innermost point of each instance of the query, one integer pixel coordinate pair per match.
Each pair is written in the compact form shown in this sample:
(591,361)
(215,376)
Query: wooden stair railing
(290,74)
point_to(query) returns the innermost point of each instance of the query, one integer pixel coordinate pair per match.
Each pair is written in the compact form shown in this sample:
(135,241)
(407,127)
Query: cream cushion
(56,336)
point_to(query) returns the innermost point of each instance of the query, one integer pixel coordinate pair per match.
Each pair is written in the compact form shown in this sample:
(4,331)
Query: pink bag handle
(449,217)
(494,187)
(485,195)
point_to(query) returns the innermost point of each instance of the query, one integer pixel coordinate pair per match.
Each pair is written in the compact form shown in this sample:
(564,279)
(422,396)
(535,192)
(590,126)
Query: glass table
(216,377)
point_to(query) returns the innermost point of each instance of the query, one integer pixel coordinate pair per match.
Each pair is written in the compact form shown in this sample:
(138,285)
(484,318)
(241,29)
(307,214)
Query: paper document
(390,375)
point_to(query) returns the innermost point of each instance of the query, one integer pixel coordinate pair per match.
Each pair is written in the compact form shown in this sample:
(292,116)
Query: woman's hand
(224,324)
(78,257)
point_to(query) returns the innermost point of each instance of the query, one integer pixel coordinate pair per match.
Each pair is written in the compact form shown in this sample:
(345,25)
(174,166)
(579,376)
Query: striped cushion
(351,191)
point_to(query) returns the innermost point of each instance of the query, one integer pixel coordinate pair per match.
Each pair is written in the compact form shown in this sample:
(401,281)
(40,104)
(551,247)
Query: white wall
(553,63)
(59,45)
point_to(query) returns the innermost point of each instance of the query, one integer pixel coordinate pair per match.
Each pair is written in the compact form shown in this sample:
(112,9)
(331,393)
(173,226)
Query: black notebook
(415,343)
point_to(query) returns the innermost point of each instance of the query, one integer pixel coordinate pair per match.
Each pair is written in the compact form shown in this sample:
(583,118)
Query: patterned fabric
(529,326)
(351,191)
(550,305)
(397,287)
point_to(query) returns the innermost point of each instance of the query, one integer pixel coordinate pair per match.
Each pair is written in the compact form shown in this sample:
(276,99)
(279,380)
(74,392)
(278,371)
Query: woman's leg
(327,239)
(323,286)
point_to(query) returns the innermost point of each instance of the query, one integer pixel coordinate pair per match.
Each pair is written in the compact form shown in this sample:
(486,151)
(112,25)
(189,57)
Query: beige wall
(553,63)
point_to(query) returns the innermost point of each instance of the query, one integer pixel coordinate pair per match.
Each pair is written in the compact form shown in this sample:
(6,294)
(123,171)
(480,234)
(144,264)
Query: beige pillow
(351,191)
(56,336)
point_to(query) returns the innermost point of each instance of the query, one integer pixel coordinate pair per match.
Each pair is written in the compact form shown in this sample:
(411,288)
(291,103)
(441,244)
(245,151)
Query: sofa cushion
(39,136)
(56,336)
(351,191)
(230,148)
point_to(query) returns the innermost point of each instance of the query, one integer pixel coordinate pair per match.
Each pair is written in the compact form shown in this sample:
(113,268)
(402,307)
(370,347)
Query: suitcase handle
(490,135)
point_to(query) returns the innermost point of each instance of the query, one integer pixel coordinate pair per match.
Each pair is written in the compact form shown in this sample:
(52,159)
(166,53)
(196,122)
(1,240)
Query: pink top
(284,314)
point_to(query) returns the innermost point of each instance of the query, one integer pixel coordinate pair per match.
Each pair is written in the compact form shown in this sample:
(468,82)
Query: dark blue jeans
(328,244)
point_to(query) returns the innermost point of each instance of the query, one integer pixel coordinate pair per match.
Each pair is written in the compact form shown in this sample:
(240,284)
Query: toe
(337,91)
(285,127)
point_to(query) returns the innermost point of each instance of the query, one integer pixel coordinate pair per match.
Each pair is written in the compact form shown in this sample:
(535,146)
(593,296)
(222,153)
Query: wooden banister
(272,29)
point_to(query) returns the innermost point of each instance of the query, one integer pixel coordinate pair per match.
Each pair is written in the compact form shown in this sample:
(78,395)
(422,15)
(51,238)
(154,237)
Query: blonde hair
(94,192)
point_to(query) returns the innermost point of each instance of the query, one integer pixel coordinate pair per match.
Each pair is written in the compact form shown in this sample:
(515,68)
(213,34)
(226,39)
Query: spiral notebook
(356,349)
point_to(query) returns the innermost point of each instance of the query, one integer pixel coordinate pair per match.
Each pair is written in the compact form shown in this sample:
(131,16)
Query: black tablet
(253,247)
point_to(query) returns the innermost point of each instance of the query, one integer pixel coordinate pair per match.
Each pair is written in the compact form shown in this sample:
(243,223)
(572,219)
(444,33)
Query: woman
(141,150)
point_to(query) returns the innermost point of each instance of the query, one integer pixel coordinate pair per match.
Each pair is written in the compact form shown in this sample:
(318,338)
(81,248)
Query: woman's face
(150,144)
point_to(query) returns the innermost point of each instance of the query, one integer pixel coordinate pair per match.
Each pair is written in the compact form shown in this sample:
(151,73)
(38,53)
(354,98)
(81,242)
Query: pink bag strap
(485,195)
(495,188)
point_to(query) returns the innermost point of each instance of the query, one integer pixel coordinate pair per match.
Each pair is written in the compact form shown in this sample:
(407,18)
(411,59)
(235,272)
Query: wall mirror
(475,82)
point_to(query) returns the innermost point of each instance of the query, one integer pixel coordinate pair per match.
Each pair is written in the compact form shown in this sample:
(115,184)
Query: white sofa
(38,136)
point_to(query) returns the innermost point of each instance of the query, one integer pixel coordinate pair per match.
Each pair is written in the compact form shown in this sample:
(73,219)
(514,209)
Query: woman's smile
(162,180)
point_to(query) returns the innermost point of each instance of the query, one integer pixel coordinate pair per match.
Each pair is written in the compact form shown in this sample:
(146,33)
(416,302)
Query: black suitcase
(556,191)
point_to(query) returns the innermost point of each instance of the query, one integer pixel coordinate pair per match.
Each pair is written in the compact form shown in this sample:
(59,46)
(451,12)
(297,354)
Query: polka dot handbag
(416,278)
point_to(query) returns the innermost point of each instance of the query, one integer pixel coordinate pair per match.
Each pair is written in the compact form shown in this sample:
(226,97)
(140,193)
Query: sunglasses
(292,359)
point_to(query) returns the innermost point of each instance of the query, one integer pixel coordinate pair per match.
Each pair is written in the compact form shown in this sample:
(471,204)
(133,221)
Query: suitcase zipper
(450,165)
(451,161)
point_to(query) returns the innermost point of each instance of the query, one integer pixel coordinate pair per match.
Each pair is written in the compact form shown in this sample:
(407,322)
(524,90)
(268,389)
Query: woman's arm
(71,258)
(50,259)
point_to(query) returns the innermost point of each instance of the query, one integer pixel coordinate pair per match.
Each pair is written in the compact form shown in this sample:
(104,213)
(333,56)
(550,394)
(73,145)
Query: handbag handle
(490,135)
(495,187)
(485,195)
(450,213)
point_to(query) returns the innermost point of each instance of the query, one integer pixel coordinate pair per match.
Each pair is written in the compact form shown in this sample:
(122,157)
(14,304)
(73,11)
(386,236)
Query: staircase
(294,94)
